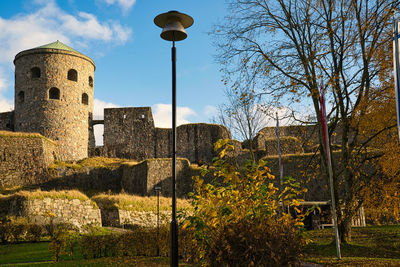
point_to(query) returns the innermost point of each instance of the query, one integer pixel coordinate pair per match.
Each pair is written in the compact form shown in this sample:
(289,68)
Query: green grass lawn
(370,246)
(25,252)
(38,254)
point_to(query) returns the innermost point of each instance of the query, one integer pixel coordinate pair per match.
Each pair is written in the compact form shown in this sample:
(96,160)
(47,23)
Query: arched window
(85,99)
(35,72)
(21,96)
(90,81)
(73,75)
(54,93)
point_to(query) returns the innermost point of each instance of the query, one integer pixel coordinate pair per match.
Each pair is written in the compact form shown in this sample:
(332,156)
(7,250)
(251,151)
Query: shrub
(254,242)
(237,219)
(5,230)
(35,232)
(60,240)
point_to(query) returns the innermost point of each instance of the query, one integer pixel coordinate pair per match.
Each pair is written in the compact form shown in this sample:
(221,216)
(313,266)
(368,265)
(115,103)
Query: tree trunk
(344,228)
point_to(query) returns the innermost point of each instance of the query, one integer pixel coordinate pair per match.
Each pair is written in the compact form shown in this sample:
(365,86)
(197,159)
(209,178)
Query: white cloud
(210,111)
(3,81)
(98,114)
(5,104)
(50,23)
(47,24)
(162,115)
(98,108)
(284,115)
(124,4)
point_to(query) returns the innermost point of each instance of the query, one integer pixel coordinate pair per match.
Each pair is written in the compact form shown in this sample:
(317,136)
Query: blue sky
(133,64)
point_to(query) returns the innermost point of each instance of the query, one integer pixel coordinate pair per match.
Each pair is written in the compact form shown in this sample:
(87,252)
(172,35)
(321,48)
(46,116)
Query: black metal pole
(158,223)
(174,227)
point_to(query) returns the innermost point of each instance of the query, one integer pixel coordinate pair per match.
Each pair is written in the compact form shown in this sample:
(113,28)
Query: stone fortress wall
(77,212)
(53,120)
(54,97)
(24,158)
(130,133)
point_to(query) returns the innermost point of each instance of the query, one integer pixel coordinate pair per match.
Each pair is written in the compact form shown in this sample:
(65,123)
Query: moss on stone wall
(94,162)
(25,135)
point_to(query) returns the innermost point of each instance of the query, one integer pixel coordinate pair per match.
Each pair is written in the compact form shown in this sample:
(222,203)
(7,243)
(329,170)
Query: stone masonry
(130,133)
(54,96)
(74,211)
(24,158)
(142,178)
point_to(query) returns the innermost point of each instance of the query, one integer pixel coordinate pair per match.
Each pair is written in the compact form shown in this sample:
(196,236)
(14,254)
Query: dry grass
(53,194)
(25,135)
(95,162)
(138,203)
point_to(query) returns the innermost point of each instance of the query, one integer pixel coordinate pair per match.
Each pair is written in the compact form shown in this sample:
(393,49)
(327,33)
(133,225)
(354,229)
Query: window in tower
(73,75)
(21,96)
(35,72)
(90,81)
(54,93)
(85,99)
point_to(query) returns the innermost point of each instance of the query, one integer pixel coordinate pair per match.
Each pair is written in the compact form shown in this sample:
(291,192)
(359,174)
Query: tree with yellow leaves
(288,47)
(237,218)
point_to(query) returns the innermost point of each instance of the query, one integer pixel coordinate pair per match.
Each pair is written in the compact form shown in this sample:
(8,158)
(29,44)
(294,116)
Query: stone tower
(54,96)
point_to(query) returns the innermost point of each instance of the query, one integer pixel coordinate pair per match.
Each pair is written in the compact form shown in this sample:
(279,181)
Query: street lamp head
(173,24)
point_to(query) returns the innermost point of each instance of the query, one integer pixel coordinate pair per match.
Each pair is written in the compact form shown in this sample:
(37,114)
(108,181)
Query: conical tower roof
(52,48)
(57,45)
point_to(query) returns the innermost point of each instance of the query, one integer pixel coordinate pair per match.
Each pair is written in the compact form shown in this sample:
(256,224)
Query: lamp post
(173,24)
(158,189)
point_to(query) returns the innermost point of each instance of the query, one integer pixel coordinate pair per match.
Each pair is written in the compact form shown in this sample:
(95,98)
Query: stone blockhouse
(130,133)
(54,96)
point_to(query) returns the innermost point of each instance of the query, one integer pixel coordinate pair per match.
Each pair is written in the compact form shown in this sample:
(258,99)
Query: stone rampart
(86,179)
(7,121)
(289,145)
(24,158)
(120,217)
(306,169)
(307,136)
(61,210)
(142,178)
(130,133)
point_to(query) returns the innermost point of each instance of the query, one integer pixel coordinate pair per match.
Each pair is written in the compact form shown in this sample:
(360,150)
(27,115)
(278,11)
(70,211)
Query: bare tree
(242,114)
(287,47)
